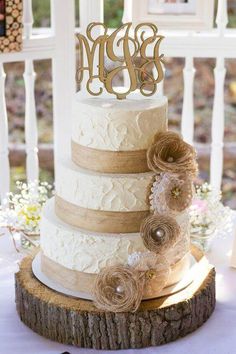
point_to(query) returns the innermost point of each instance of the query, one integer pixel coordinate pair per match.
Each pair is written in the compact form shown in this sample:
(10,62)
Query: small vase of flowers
(207,216)
(21,212)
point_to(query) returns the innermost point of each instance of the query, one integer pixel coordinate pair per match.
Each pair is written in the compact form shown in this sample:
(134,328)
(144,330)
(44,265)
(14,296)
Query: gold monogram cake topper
(144,73)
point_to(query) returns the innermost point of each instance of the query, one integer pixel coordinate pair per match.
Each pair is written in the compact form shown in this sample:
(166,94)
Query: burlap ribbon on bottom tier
(84,282)
(99,220)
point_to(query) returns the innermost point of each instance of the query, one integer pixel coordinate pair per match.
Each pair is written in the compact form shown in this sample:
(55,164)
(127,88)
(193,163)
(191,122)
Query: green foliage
(113,12)
(41,11)
(232,21)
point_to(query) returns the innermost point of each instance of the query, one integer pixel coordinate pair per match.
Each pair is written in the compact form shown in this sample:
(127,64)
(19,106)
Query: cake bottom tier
(71,321)
(81,284)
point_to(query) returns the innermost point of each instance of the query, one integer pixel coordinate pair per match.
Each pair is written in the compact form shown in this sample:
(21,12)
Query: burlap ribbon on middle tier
(99,220)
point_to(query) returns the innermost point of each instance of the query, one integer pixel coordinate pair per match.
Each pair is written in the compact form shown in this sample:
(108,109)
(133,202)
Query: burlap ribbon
(105,161)
(84,282)
(99,220)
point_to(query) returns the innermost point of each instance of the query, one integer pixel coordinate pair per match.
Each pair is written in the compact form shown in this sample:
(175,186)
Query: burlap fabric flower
(169,153)
(118,289)
(159,232)
(171,194)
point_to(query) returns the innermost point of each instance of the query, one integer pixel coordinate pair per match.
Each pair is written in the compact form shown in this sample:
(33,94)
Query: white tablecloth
(216,336)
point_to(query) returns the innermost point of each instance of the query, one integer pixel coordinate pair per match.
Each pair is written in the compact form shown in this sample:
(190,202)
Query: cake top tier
(113,125)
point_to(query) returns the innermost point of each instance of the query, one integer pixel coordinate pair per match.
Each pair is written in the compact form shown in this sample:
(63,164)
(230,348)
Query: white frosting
(82,250)
(97,191)
(89,252)
(110,124)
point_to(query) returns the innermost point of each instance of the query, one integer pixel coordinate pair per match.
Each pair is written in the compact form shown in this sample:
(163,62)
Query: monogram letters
(143,73)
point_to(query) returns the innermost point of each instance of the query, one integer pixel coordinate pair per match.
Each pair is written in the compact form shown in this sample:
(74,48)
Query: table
(216,336)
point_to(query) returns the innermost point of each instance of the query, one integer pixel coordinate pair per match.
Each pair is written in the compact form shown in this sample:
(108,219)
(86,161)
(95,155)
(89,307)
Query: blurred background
(203,101)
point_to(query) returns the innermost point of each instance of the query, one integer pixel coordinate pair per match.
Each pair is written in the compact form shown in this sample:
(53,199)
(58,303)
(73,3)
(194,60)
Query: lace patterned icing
(102,191)
(82,250)
(118,126)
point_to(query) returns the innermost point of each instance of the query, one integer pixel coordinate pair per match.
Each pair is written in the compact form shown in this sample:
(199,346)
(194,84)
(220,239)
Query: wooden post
(216,170)
(28,18)
(91,11)
(187,123)
(233,256)
(4,160)
(31,130)
(217,129)
(63,69)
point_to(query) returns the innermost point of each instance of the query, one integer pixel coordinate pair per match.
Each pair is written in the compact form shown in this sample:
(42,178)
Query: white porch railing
(58,43)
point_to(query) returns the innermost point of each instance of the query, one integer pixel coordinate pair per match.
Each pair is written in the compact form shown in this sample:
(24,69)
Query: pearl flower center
(170,159)
(119,289)
(160,233)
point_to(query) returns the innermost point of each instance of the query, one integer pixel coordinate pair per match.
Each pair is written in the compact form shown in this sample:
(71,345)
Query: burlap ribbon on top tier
(84,282)
(105,161)
(99,220)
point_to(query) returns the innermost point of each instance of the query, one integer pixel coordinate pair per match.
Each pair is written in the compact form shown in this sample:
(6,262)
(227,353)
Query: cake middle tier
(101,202)
(86,251)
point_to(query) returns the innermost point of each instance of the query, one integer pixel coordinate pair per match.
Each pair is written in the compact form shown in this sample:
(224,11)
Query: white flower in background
(21,211)
(8,217)
(207,214)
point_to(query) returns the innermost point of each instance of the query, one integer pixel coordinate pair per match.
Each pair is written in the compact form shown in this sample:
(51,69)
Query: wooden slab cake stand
(75,321)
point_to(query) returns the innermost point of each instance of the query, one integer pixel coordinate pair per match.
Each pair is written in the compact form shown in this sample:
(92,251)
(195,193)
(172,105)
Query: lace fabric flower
(154,268)
(169,153)
(143,261)
(179,193)
(118,289)
(159,232)
(178,251)
(171,193)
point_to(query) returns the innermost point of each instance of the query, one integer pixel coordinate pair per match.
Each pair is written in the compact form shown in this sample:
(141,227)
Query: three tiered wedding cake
(117,230)
(103,198)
